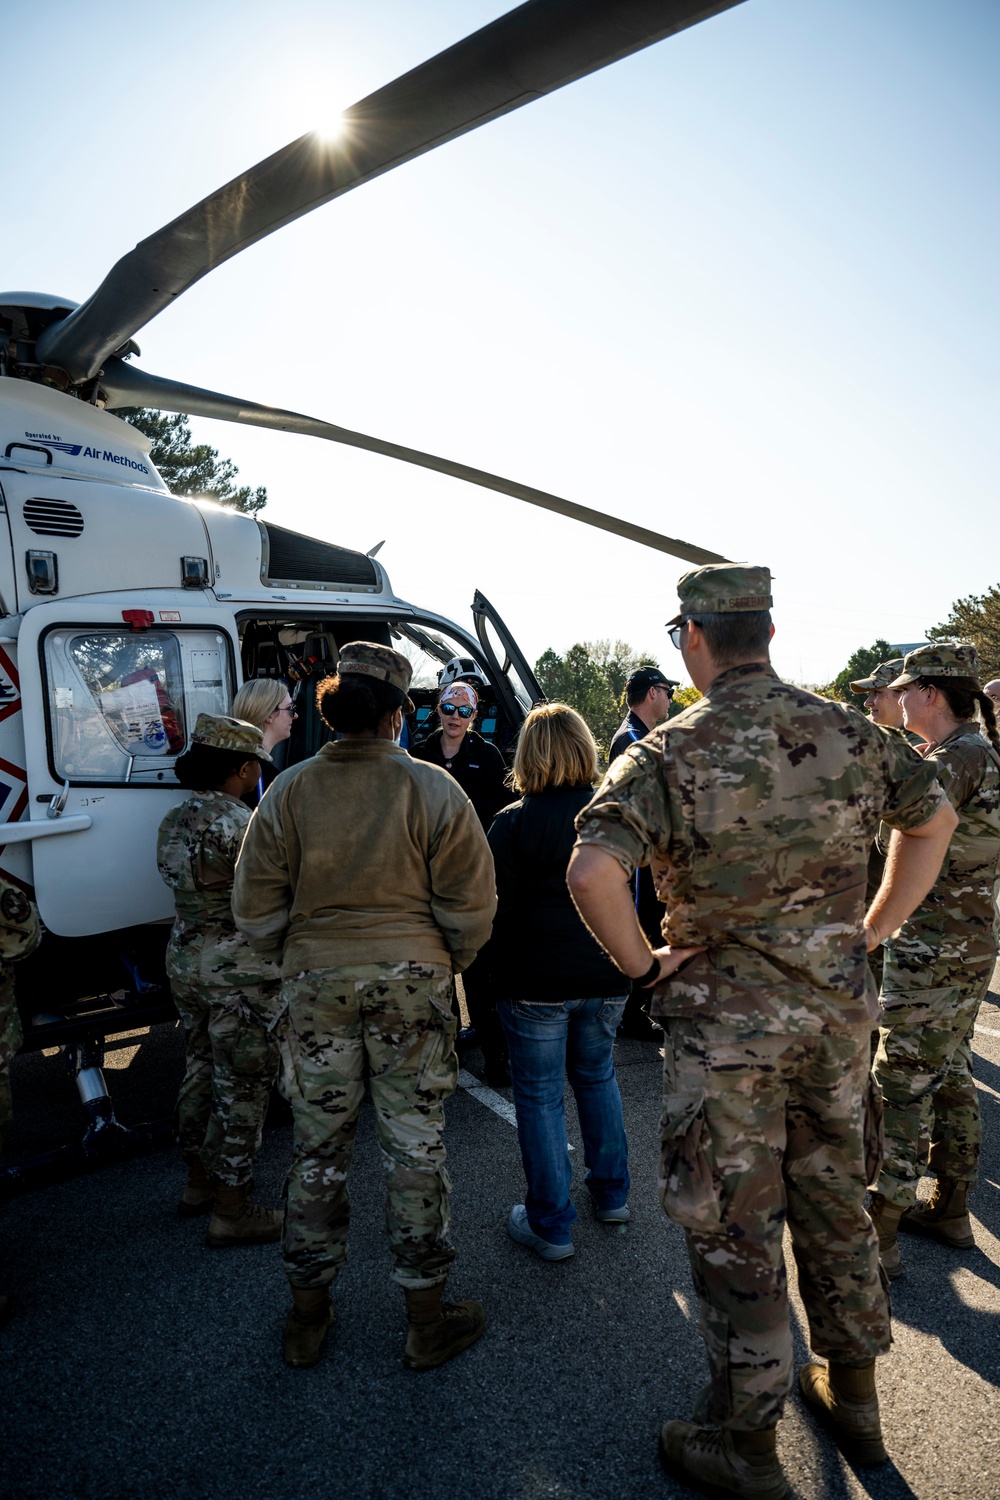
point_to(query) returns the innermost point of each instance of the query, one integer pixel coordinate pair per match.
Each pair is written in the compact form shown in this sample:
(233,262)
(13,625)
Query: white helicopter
(125,611)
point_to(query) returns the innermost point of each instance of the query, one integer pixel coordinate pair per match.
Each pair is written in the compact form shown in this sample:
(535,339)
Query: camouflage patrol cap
(219,732)
(368,659)
(941,659)
(880,678)
(722,588)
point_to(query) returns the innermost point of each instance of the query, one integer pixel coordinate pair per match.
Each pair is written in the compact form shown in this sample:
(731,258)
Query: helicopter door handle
(58,802)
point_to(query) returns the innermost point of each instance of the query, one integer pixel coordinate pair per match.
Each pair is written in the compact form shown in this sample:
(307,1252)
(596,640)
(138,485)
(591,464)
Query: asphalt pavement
(137,1362)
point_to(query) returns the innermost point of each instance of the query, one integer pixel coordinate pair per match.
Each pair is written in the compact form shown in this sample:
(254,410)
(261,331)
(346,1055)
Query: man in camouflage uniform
(756,808)
(226,994)
(20,934)
(369,875)
(937,970)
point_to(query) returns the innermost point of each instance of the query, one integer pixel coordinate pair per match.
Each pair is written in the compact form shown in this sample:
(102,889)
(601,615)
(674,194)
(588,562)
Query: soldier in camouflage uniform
(20,934)
(226,994)
(756,808)
(938,965)
(369,875)
(883,707)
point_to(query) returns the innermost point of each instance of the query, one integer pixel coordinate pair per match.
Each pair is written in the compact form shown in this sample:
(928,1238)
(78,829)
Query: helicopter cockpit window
(122,703)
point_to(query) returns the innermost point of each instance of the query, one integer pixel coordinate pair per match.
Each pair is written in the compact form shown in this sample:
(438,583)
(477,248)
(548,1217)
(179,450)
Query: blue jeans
(547,1044)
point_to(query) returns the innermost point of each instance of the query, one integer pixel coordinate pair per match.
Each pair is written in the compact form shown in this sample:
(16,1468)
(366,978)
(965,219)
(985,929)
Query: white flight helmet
(462,669)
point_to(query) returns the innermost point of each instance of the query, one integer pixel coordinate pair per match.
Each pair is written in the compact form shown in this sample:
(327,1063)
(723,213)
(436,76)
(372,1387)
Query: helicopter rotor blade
(531,51)
(124,385)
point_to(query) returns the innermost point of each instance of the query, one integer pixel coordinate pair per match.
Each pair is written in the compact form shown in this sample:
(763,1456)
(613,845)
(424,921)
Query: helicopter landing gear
(105,1139)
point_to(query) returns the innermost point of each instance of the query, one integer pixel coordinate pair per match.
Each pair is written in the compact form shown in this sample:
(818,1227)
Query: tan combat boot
(945,1216)
(237,1221)
(739,1463)
(307,1325)
(198,1196)
(886,1216)
(844,1397)
(438,1330)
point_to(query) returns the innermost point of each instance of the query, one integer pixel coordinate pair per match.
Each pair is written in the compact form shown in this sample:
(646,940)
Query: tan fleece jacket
(362,855)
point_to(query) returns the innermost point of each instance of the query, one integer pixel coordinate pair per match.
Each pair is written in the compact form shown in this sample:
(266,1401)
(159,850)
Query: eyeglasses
(287,708)
(463,710)
(675,635)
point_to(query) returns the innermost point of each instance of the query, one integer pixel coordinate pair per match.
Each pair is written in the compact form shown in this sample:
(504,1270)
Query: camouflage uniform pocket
(874,1138)
(689,1191)
(438,1069)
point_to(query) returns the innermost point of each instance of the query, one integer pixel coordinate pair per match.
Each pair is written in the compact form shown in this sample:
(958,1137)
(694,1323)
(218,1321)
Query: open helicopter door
(515,677)
(114,689)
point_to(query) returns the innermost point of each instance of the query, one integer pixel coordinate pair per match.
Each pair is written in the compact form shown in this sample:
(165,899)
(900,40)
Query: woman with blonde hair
(266,702)
(559,997)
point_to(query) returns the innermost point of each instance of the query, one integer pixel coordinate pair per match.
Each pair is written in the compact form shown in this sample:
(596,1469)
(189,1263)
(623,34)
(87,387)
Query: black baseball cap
(644,678)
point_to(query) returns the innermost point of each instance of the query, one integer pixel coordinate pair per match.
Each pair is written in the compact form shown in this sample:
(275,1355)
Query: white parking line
(492,1100)
(988,1030)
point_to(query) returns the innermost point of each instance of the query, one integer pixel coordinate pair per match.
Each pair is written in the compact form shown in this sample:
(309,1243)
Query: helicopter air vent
(52,518)
(290,560)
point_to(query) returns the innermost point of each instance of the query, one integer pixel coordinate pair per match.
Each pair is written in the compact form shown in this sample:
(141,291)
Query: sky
(740,288)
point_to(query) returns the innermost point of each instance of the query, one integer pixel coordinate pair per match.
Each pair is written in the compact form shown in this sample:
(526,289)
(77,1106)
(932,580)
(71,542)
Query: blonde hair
(554,748)
(258,699)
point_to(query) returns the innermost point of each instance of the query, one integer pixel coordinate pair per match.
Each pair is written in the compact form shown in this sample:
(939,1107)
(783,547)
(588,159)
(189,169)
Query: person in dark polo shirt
(647,696)
(476,765)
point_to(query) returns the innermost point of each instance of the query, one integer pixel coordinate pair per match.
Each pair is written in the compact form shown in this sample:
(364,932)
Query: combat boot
(844,1397)
(738,1463)
(438,1330)
(237,1221)
(945,1216)
(307,1324)
(886,1216)
(198,1196)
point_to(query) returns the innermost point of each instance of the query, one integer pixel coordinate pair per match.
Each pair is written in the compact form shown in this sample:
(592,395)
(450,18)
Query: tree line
(975,619)
(591,675)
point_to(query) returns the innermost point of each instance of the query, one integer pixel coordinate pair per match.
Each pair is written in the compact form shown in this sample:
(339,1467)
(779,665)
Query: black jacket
(540,949)
(631,729)
(478,767)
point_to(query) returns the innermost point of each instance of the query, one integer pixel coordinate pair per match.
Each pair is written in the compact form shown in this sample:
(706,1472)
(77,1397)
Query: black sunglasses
(462,709)
(675,632)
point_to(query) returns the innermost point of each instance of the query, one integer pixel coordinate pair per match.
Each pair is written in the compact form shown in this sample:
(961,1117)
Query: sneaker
(520,1230)
(619,1215)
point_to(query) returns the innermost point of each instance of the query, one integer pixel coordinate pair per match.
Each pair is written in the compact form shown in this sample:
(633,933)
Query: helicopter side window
(122,704)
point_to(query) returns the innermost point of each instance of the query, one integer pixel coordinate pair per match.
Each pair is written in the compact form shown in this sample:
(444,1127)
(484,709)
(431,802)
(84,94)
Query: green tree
(975,619)
(862,664)
(591,678)
(188,468)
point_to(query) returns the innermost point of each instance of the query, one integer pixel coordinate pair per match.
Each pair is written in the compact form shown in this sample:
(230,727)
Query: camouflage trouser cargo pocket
(689,1191)
(440,1062)
(874,1133)
(244,1065)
